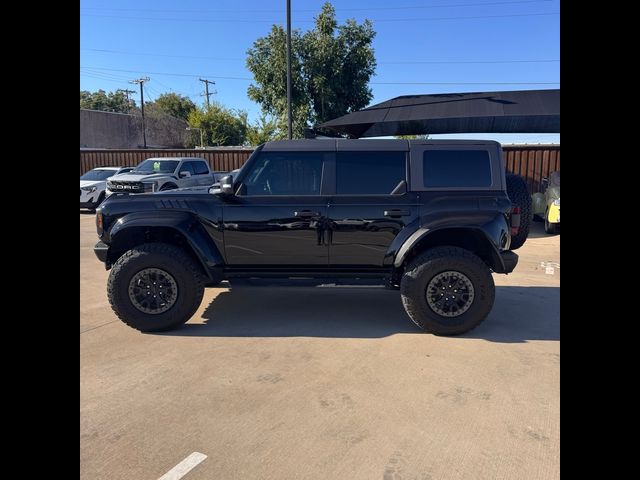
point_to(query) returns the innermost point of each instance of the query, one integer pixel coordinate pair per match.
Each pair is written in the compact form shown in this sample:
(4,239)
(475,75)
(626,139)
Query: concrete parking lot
(324,383)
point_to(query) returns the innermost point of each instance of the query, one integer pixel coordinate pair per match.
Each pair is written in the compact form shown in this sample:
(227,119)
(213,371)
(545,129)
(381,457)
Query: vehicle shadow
(519,314)
(537,231)
(86,212)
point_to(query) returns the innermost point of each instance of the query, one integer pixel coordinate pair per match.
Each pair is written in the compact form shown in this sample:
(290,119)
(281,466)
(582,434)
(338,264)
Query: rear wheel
(155,287)
(519,196)
(447,290)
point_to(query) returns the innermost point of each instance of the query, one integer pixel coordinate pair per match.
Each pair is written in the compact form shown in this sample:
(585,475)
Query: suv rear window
(456,168)
(369,173)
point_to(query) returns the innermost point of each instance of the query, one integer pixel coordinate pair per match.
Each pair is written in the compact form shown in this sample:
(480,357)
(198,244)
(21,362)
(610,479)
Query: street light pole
(289,69)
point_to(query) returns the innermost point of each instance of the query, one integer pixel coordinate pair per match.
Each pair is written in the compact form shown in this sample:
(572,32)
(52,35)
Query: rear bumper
(101,250)
(510,260)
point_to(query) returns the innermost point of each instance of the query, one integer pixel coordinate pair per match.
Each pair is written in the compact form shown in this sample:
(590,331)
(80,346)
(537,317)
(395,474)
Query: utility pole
(140,81)
(206,88)
(126,92)
(289,69)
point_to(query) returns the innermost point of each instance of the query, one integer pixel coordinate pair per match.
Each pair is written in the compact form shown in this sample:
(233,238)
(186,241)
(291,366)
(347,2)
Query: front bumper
(89,199)
(101,250)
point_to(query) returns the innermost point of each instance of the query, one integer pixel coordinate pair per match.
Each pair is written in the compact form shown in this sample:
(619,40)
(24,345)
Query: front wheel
(155,287)
(447,290)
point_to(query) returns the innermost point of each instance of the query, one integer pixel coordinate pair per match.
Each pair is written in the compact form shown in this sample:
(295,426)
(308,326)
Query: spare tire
(519,196)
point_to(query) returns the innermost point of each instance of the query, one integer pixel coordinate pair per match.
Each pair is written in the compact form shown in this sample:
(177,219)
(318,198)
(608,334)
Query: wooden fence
(534,162)
(220,159)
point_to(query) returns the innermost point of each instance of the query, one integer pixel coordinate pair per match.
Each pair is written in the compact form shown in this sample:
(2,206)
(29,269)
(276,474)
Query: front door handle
(306,214)
(397,213)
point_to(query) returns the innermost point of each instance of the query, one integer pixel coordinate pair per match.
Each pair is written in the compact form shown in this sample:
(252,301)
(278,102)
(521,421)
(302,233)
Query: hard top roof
(369,145)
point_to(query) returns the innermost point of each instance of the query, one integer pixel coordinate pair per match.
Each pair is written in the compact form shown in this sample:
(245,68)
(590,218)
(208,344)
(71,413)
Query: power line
(169,74)
(427,19)
(101,78)
(401,62)
(412,7)
(374,83)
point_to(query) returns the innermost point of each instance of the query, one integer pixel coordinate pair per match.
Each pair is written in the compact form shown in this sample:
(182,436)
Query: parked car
(546,206)
(166,173)
(93,184)
(303,208)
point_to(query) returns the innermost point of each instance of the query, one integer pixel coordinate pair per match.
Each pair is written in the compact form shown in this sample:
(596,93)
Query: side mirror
(226,185)
(184,174)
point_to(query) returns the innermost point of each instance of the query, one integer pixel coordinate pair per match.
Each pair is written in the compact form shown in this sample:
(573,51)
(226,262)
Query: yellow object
(553,216)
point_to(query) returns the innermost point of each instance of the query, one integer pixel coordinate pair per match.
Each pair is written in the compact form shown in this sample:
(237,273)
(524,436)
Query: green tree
(330,70)
(107,102)
(220,125)
(173,104)
(263,130)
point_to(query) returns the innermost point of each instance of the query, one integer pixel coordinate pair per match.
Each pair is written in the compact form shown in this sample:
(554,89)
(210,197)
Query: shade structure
(520,111)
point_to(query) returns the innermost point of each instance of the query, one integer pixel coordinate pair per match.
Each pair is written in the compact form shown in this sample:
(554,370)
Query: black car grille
(128,187)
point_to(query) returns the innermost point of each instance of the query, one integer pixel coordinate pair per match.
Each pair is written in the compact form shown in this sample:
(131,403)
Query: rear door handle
(397,213)
(306,213)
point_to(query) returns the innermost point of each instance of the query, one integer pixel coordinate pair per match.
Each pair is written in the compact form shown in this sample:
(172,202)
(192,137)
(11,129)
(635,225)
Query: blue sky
(421,46)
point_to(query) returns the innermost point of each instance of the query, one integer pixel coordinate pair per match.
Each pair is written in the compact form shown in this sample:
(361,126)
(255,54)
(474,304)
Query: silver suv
(166,173)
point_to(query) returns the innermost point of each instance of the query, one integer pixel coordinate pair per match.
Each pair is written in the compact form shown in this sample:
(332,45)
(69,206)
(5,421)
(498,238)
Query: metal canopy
(521,111)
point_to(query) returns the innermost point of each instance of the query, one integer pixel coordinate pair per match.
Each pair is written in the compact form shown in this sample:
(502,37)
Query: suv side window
(285,173)
(369,173)
(200,168)
(456,168)
(187,167)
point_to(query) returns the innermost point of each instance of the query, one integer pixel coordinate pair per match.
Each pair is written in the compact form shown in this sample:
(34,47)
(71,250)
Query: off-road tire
(422,269)
(168,186)
(169,258)
(519,195)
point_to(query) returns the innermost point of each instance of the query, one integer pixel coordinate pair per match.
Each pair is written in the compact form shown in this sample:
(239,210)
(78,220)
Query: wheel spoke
(450,294)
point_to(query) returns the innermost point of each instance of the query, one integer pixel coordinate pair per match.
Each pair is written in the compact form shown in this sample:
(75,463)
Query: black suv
(432,218)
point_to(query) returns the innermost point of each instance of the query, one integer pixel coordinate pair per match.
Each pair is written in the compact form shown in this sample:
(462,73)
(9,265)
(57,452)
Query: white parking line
(184,467)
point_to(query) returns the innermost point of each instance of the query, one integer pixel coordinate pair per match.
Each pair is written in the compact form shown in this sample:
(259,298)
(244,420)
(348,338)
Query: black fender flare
(496,262)
(183,222)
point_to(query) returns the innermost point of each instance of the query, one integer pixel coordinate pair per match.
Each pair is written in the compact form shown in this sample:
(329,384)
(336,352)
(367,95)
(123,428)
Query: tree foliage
(263,130)
(220,125)
(106,102)
(173,104)
(331,66)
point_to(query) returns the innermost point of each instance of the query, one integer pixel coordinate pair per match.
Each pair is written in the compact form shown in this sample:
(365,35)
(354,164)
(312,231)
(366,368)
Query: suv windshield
(156,165)
(98,174)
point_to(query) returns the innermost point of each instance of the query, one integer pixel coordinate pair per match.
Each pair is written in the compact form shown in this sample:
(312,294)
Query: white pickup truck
(166,173)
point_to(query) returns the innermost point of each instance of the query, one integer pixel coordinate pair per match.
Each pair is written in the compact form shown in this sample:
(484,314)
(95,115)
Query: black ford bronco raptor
(433,218)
